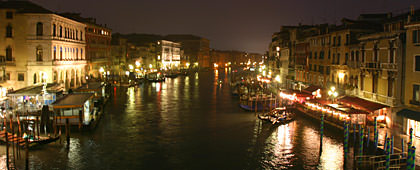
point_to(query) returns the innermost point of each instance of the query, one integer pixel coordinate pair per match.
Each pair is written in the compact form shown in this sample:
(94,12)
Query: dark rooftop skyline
(229,25)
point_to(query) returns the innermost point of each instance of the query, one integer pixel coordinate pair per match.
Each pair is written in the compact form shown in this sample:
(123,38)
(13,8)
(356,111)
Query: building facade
(40,47)
(98,45)
(196,49)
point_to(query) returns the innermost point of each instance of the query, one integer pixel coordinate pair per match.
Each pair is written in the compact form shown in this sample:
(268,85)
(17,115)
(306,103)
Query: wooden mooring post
(68,133)
(27,153)
(7,144)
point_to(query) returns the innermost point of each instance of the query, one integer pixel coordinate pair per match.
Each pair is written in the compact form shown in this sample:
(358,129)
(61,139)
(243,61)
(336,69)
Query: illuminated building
(98,44)
(169,54)
(196,49)
(41,46)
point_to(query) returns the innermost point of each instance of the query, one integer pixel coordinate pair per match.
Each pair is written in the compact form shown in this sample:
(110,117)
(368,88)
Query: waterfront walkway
(395,132)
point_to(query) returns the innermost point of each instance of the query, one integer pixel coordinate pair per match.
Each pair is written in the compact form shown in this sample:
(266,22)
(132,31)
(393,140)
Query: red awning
(361,103)
(311,89)
(339,107)
(298,93)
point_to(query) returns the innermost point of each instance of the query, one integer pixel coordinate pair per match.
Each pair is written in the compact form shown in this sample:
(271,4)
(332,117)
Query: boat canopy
(72,101)
(90,87)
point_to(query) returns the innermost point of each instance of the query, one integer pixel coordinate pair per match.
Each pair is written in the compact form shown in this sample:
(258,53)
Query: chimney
(412,10)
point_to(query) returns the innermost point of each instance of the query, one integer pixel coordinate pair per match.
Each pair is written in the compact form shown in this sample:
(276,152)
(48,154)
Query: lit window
(416,93)
(39,53)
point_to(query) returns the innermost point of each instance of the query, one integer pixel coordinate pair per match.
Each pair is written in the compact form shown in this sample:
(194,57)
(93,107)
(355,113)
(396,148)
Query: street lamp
(137,63)
(332,93)
(101,70)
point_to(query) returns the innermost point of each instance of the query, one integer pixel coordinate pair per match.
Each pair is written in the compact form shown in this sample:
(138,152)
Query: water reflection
(190,122)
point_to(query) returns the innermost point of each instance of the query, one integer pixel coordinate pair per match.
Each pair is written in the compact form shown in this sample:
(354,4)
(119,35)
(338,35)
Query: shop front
(411,119)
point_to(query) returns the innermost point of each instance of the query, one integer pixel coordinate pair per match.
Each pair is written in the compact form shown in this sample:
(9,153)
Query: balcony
(370,65)
(389,66)
(375,97)
(413,102)
(69,62)
(354,64)
(299,67)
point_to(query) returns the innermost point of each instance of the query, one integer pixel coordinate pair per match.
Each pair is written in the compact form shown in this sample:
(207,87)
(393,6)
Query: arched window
(55,76)
(39,53)
(43,77)
(55,53)
(35,78)
(39,29)
(9,32)
(77,53)
(9,54)
(54,30)
(61,53)
(61,31)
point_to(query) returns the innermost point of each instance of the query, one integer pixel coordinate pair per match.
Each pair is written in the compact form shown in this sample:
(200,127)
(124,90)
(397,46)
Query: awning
(36,90)
(311,89)
(76,100)
(297,92)
(90,87)
(411,114)
(361,103)
(339,107)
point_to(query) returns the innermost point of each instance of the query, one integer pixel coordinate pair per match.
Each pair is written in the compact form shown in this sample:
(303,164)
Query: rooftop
(22,6)
(75,100)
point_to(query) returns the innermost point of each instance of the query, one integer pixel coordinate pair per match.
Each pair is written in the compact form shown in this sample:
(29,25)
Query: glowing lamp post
(102,71)
(332,93)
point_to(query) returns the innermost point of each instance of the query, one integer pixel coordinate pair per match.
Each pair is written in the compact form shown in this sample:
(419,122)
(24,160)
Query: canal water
(190,122)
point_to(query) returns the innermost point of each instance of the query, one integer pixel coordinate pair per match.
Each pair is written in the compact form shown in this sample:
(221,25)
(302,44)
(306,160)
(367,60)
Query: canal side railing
(397,161)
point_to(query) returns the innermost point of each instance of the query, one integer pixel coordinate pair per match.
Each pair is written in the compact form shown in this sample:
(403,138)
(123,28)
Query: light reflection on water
(190,122)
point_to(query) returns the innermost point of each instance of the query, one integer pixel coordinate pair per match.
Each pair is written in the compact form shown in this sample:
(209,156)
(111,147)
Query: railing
(68,62)
(50,37)
(391,101)
(415,102)
(370,65)
(389,66)
(354,64)
(378,162)
(299,67)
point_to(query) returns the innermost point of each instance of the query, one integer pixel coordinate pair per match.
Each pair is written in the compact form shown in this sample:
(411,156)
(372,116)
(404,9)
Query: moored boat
(155,77)
(258,103)
(277,116)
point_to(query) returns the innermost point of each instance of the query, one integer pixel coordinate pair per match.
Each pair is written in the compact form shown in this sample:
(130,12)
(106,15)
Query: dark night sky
(245,25)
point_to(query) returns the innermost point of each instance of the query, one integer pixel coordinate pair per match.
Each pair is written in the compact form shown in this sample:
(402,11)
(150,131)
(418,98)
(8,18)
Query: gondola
(277,116)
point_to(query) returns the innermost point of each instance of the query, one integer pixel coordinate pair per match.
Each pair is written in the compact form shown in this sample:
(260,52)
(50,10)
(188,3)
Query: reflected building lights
(158,87)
